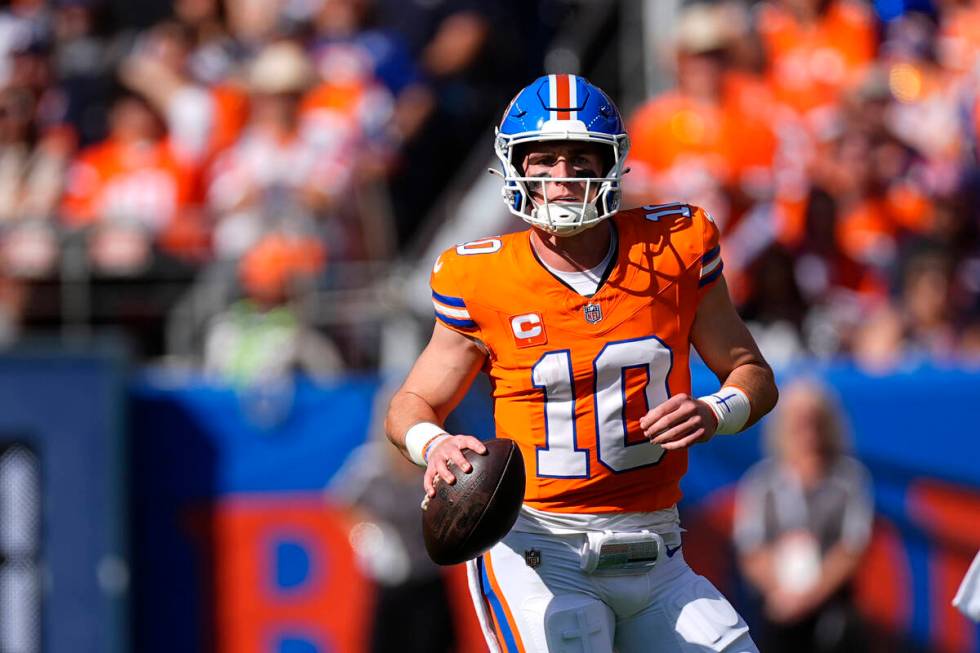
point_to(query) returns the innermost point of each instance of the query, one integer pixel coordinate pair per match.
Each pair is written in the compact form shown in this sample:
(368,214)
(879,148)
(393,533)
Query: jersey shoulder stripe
(709,276)
(711,255)
(452,311)
(448,300)
(459,324)
(711,261)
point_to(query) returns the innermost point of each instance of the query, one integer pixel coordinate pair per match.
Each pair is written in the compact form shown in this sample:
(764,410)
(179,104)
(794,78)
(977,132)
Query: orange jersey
(116,179)
(572,375)
(728,139)
(810,64)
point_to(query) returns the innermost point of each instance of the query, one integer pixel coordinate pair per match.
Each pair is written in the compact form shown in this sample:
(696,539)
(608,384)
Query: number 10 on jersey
(561,456)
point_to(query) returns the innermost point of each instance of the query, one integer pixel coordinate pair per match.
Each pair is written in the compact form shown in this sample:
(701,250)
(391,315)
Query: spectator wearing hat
(281,169)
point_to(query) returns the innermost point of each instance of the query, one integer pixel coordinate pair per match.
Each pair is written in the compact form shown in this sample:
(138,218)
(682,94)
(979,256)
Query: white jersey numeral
(485,246)
(655,359)
(561,457)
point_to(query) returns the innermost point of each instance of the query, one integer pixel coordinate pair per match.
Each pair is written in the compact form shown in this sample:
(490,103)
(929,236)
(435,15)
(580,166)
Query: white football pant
(555,607)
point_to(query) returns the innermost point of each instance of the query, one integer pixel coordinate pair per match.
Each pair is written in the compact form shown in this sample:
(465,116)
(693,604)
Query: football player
(584,324)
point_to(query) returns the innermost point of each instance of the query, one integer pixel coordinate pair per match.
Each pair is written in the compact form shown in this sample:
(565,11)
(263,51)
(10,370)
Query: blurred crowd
(280,139)
(275,137)
(838,152)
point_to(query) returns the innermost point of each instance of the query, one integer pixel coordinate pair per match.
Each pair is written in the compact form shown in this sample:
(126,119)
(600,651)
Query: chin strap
(566,219)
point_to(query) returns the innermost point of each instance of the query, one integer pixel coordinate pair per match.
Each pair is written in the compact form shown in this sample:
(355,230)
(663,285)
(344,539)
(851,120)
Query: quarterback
(584,324)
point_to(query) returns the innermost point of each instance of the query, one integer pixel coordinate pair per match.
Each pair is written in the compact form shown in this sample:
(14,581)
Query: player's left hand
(679,422)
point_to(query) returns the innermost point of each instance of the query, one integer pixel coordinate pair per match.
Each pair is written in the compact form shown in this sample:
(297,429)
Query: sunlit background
(217,221)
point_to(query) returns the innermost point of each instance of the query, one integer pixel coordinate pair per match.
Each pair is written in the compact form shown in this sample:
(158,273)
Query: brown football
(468,517)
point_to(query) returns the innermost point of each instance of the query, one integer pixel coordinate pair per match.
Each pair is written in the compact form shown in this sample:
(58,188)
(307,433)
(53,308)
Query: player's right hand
(450,450)
(679,422)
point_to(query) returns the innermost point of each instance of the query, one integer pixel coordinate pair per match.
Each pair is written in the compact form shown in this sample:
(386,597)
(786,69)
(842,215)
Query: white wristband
(731,406)
(417,437)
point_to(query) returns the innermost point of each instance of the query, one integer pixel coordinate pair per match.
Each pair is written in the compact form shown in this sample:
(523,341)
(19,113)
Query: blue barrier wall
(203,456)
(68,408)
(195,448)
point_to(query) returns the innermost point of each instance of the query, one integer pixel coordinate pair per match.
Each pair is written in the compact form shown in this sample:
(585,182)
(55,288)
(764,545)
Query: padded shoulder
(456,279)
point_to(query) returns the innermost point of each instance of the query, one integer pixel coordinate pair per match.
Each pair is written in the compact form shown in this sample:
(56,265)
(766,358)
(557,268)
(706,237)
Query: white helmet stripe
(553,95)
(573,96)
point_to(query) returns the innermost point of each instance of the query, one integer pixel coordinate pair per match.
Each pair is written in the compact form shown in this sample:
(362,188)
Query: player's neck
(583,251)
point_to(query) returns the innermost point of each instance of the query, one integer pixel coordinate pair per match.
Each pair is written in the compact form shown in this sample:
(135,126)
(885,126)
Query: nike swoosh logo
(672,551)
(438,265)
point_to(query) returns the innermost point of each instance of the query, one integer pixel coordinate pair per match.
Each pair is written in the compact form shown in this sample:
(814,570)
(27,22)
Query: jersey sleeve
(710,266)
(451,294)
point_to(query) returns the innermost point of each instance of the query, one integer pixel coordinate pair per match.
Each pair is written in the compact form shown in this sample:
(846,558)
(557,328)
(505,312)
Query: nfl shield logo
(593,313)
(532,557)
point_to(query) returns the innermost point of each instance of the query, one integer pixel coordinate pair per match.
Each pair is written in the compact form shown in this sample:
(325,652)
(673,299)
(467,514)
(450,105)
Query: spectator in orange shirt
(875,178)
(706,141)
(202,118)
(959,35)
(130,187)
(815,49)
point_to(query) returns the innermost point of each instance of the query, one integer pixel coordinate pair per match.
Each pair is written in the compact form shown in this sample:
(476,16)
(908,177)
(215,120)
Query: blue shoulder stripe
(711,254)
(452,321)
(449,301)
(711,277)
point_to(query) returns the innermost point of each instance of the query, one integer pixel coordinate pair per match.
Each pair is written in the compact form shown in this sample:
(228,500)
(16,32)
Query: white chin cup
(566,219)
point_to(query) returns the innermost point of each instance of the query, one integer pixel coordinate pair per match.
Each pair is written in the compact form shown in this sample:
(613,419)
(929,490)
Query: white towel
(967,598)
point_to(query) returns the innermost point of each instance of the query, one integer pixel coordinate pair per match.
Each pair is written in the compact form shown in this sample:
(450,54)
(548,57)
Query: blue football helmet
(562,108)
